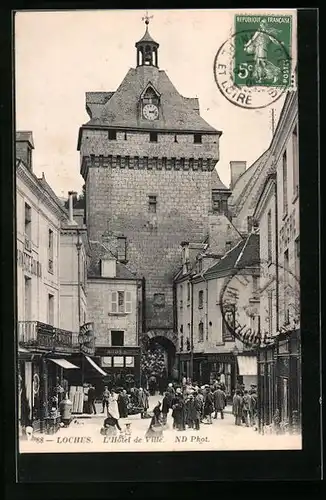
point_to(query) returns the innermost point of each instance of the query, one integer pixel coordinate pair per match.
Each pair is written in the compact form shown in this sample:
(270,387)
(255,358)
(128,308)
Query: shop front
(279,381)
(122,365)
(210,367)
(43,371)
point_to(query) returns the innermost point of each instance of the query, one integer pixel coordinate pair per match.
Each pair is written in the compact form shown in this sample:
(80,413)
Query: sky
(61,55)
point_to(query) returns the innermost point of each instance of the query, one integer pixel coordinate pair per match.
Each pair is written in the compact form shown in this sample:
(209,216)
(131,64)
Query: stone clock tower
(147,157)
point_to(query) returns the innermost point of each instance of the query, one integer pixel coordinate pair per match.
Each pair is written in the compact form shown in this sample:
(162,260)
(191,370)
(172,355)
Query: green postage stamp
(262,50)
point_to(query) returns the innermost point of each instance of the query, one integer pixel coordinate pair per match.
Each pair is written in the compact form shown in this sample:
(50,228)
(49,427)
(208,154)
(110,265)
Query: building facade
(114,298)
(277,215)
(147,157)
(46,335)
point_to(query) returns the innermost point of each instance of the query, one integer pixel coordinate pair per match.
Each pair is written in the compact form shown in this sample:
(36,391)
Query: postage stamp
(253,68)
(262,52)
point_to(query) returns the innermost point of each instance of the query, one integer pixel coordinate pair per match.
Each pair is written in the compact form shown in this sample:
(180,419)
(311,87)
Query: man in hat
(178,413)
(219,397)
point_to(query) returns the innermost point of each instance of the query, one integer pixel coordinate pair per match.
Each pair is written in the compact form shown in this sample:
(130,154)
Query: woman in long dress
(113,410)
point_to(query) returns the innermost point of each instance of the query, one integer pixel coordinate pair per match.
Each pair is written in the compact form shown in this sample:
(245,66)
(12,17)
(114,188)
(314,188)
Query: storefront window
(106,361)
(130,361)
(118,361)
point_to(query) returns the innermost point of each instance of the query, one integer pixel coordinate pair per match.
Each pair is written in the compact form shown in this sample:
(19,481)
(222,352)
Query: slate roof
(98,250)
(23,136)
(227,262)
(243,183)
(146,38)
(43,182)
(176,112)
(216,182)
(249,256)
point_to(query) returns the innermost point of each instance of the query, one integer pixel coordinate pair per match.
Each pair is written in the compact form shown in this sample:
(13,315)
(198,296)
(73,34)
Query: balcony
(41,336)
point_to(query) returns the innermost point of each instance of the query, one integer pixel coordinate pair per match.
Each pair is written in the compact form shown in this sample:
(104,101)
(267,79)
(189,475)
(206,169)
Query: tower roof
(217,184)
(121,110)
(147,39)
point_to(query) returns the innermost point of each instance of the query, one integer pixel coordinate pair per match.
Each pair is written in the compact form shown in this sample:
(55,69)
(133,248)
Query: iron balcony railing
(43,336)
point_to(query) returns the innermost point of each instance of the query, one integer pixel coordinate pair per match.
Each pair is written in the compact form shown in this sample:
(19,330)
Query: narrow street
(83,435)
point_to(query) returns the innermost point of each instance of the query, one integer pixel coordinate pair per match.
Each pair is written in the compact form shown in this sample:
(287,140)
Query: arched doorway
(169,352)
(158,359)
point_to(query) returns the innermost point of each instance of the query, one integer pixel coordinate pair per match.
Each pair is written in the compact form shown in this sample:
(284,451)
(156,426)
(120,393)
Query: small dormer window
(122,249)
(112,135)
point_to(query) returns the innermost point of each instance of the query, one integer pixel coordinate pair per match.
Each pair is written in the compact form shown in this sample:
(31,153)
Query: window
(297,257)
(285,184)
(50,309)
(145,161)
(127,161)
(28,298)
(191,163)
(118,161)
(164,162)
(159,300)
(106,361)
(197,138)
(269,236)
(201,332)
(216,206)
(153,136)
(173,161)
(117,338)
(126,137)
(50,250)
(136,161)
(228,325)
(200,163)
(295,161)
(130,361)
(152,203)
(286,287)
(255,286)
(118,361)
(120,302)
(270,312)
(112,135)
(155,162)
(200,299)
(188,292)
(175,138)
(181,329)
(28,227)
(228,246)
(182,162)
(122,248)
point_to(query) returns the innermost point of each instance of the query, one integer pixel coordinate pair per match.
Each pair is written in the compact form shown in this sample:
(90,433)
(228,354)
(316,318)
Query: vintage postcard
(158,231)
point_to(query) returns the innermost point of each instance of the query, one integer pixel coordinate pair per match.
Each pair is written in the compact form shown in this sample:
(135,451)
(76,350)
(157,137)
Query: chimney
(24,146)
(71,195)
(237,168)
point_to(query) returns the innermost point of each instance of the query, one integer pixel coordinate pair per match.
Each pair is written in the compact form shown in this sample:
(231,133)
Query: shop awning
(63,363)
(247,365)
(98,368)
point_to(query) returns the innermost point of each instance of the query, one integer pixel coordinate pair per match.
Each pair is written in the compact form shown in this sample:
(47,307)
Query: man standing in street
(219,401)
(237,407)
(105,399)
(91,399)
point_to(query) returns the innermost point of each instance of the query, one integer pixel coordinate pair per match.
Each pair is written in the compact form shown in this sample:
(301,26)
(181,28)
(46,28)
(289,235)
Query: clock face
(150,112)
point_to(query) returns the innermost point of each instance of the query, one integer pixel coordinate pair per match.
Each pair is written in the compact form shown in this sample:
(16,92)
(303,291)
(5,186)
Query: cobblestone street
(83,435)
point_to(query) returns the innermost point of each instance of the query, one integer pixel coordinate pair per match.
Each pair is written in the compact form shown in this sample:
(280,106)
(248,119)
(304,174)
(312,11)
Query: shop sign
(118,351)
(29,264)
(86,338)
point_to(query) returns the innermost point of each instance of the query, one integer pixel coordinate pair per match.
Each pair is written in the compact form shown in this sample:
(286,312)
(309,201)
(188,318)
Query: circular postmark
(252,69)
(260,301)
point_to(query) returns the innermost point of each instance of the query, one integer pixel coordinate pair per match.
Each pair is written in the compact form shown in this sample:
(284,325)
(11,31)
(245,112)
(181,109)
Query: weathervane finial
(146,18)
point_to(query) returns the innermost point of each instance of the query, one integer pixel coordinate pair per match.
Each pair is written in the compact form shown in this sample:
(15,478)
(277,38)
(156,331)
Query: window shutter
(114,302)
(128,302)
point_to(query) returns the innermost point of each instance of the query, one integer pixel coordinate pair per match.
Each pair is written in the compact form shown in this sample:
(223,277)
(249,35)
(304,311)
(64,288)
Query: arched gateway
(166,339)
